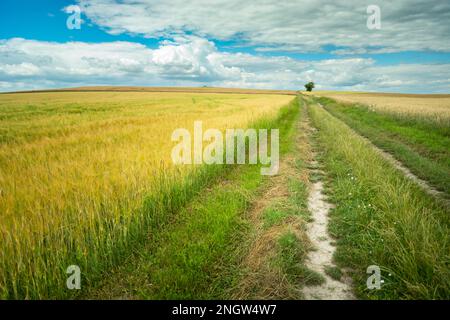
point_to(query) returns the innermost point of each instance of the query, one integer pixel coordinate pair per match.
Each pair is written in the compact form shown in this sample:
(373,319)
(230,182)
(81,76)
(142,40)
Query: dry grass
(70,161)
(262,278)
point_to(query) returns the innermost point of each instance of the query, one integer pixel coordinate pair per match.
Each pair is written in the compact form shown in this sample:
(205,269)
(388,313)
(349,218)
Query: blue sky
(226,43)
(45,20)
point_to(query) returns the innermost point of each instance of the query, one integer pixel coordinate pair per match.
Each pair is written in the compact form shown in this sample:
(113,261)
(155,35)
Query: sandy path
(322,256)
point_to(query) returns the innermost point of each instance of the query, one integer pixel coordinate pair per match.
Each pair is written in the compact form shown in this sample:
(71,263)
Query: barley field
(75,168)
(431,108)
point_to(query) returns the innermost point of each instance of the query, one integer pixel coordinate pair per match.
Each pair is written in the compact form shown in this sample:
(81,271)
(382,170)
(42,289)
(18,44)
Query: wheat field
(430,108)
(73,164)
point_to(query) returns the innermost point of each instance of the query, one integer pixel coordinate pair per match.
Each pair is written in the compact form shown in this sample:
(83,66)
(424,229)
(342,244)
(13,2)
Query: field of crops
(87,179)
(76,168)
(432,108)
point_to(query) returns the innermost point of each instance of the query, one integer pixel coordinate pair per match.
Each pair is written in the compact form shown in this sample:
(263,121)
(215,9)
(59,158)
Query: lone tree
(309,86)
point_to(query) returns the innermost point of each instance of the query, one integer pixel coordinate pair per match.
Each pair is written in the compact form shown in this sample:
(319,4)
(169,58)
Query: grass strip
(275,247)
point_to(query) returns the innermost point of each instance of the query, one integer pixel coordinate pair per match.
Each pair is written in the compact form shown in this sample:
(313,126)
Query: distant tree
(309,86)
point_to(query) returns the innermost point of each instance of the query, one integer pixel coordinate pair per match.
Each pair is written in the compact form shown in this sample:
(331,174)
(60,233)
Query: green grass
(422,146)
(334,272)
(292,254)
(195,257)
(185,264)
(293,205)
(273,216)
(382,218)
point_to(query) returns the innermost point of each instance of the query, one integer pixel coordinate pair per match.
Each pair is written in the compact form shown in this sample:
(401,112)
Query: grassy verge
(273,255)
(193,257)
(420,145)
(382,218)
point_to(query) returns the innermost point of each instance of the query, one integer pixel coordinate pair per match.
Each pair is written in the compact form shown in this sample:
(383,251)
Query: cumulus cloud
(296,25)
(188,61)
(193,61)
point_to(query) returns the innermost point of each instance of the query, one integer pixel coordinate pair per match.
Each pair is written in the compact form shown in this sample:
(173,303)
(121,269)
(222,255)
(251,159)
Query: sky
(267,44)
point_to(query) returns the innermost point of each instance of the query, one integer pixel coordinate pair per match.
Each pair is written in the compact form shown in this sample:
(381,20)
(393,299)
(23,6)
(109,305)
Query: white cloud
(192,58)
(188,61)
(193,61)
(21,69)
(295,25)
